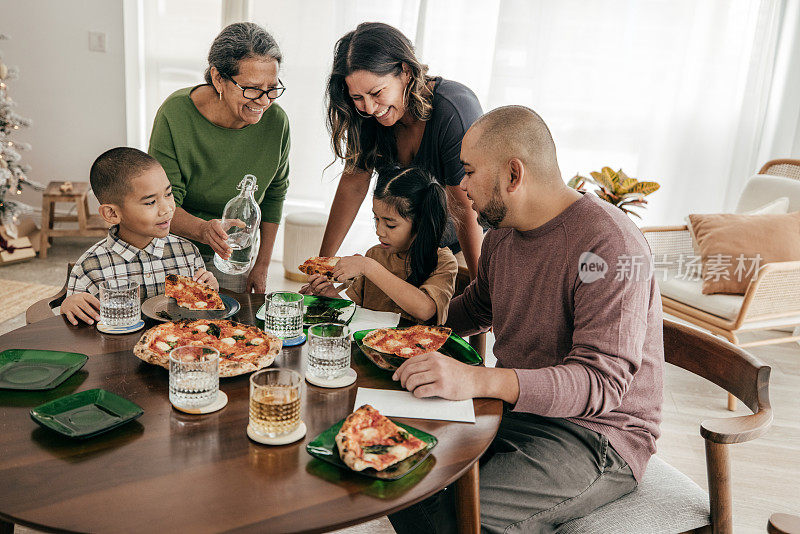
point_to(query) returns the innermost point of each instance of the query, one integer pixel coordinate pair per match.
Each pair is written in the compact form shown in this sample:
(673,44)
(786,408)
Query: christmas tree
(13,173)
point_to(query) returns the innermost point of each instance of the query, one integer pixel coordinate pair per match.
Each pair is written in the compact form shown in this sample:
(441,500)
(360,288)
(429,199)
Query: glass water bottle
(241,220)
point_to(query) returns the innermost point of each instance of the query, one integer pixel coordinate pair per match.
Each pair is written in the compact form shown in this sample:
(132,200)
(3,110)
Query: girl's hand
(319,285)
(207,278)
(350,267)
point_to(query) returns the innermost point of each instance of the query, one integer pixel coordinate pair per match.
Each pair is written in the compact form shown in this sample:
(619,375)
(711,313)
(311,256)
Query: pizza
(320,265)
(368,439)
(407,342)
(192,295)
(242,348)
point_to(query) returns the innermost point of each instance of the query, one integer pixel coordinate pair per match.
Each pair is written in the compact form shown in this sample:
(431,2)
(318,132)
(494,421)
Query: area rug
(16,297)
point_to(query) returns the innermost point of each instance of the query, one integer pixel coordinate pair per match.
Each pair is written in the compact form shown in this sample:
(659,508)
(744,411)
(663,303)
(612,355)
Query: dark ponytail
(418,197)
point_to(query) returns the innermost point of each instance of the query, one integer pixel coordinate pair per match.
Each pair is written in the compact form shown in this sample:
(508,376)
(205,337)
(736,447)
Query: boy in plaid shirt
(136,199)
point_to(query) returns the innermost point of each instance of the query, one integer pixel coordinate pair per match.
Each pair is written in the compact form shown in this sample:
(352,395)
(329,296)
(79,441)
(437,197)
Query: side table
(88,225)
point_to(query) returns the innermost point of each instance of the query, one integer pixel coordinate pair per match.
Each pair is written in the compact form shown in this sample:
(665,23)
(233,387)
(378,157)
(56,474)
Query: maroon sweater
(584,348)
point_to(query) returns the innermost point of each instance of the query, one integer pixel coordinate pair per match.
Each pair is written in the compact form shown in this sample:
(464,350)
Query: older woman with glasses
(207,137)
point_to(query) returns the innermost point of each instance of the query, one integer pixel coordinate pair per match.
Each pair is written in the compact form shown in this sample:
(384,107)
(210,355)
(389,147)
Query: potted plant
(616,188)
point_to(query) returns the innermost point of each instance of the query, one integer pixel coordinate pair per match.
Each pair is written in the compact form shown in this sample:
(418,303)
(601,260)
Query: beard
(494,212)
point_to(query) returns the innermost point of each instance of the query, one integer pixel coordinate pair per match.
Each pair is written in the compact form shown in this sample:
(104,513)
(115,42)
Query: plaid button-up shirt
(114,258)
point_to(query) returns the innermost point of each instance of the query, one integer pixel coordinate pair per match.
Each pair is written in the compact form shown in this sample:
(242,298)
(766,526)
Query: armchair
(772,300)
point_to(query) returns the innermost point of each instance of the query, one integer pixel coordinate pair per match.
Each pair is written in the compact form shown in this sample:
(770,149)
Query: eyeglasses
(254,93)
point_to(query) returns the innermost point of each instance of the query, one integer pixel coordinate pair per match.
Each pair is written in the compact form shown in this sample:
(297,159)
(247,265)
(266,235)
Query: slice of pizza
(368,439)
(242,348)
(323,265)
(407,342)
(192,295)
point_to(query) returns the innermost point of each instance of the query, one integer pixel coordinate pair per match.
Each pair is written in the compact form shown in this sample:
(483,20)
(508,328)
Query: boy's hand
(205,277)
(319,285)
(83,306)
(350,267)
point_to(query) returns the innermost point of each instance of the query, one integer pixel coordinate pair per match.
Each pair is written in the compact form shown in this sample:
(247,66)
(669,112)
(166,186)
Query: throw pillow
(778,206)
(734,246)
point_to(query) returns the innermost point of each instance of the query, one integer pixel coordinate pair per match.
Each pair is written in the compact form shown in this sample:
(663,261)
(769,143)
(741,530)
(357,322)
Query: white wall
(75,97)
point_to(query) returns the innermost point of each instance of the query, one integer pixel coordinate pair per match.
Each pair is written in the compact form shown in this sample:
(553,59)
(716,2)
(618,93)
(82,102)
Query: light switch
(97,41)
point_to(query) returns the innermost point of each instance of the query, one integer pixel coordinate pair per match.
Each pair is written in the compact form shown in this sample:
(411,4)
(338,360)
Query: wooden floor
(766,472)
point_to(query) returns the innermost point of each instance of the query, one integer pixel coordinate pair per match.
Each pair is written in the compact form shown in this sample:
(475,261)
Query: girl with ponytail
(407,272)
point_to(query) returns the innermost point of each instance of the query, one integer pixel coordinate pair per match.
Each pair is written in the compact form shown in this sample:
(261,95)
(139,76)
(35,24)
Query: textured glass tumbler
(193,376)
(328,350)
(119,302)
(283,317)
(275,402)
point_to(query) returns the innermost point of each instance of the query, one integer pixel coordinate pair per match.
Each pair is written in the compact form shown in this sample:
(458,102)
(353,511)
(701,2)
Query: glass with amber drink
(275,402)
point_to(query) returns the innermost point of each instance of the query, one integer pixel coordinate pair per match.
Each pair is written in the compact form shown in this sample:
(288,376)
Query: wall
(74,96)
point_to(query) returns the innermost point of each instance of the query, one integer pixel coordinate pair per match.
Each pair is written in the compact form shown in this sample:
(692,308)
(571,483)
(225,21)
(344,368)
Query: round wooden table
(170,471)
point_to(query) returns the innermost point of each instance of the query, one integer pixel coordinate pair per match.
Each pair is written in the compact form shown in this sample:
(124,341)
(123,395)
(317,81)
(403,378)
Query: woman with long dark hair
(384,109)
(407,273)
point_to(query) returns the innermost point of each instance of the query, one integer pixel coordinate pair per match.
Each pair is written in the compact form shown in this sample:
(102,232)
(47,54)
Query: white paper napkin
(364,319)
(403,404)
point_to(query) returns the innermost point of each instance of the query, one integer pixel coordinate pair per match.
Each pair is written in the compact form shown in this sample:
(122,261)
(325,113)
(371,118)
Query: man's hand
(319,285)
(436,375)
(207,278)
(257,279)
(215,235)
(350,267)
(83,306)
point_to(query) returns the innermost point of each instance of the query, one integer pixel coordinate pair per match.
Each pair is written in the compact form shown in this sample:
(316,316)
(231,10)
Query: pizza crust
(227,368)
(389,340)
(323,265)
(367,428)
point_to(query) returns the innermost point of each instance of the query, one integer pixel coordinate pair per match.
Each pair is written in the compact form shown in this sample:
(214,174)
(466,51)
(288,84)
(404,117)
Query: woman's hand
(319,285)
(350,267)
(215,235)
(257,279)
(83,306)
(207,278)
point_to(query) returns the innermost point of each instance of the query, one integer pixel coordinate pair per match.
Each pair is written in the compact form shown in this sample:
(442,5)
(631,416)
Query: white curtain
(675,91)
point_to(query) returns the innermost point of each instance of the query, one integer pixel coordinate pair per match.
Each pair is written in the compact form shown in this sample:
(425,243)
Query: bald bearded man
(565,281)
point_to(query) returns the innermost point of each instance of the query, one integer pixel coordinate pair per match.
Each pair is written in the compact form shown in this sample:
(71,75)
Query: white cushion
(665,501)
(762,188)
(689,291)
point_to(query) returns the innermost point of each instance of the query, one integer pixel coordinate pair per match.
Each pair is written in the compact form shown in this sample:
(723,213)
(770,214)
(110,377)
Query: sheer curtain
(672,91)
(669,90)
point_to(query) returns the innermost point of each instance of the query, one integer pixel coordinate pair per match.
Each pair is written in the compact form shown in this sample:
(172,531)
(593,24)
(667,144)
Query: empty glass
(283,316)
(328,350)
(193,376)
(274,402)
(119,302)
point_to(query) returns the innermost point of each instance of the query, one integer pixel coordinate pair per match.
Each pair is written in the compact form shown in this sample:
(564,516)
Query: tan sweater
(585,348)
(440,285)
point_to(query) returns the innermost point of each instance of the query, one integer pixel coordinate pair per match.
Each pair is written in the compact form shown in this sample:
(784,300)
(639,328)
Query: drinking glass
(119,302)
(193,375)
(274,402)
(284,314)
(328,350)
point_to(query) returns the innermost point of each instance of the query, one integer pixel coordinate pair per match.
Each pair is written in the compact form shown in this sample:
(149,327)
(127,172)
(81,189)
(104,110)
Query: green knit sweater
(205,162)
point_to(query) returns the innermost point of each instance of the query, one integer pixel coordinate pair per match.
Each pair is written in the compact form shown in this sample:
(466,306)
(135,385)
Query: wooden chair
(88,225)
(665,496)
(772,300)
(43,309)
(782,167)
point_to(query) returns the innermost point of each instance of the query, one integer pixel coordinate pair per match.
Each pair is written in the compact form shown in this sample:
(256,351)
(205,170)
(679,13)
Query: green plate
(86,413)
(456,347)
(322,310)
(324,448)
(37,369)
